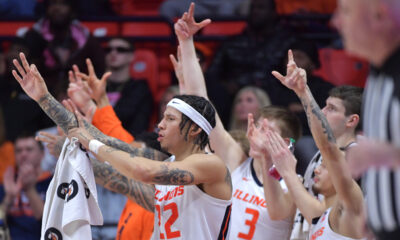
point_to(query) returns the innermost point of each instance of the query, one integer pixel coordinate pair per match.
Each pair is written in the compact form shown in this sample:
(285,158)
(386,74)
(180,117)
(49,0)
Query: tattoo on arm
(120,145)
(107,176)
(167,176)
(66,120)
(316,111)
(56,111)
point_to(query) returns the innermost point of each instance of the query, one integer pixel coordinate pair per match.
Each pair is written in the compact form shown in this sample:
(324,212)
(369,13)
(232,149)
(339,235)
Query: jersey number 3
(174,209)
(251,223)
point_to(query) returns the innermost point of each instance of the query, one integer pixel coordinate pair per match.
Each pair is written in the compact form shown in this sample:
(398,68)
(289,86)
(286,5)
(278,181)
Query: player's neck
(185,151)
(330,200)
(345,139)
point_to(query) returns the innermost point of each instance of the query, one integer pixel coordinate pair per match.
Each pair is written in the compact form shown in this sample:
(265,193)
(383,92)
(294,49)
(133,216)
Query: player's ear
(194,130)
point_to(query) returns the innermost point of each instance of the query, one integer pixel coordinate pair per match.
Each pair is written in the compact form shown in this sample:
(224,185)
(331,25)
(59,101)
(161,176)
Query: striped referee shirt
(381,114)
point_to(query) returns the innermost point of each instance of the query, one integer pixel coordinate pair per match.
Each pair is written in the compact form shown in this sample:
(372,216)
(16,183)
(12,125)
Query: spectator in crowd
(205,8)
(247,59)
(248,100)
(14,101)
(131,98)
(8,88)
(58,40)
(24,189)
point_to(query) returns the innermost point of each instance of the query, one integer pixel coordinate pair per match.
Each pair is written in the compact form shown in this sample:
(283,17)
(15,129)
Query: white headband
(191,113)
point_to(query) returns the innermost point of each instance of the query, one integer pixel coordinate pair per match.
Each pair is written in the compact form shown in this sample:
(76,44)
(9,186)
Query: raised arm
(279,204)
(33,84)
(285,163)
(193,83)
(348,191)
(195,169)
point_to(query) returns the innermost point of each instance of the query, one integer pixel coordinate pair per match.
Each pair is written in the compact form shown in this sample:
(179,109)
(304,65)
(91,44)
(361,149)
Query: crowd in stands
(237,70)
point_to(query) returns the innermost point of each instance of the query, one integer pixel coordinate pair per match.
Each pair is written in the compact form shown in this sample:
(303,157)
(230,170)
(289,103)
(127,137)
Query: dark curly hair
(206,109)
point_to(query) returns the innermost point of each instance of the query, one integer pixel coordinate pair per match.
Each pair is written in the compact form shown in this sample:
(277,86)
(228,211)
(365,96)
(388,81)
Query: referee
(371,29)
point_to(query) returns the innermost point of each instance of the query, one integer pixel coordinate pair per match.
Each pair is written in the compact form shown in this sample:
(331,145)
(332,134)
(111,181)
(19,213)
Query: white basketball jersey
(186,212)
(322,230)
(250,219)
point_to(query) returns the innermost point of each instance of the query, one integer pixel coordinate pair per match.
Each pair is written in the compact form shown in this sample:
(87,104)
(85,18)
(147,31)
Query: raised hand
(12,187)
(97,86)
(29,78)
(295,79)
(70,106)
(53,142)
(257,137)
(186,26)
(80,93)
(178,67)
(280,154)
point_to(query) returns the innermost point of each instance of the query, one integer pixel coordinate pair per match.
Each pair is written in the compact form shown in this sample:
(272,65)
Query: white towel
(71,200)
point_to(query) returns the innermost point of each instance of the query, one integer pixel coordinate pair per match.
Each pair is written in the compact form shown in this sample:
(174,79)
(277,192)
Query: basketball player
(344,217)
(250,218)
(191,193)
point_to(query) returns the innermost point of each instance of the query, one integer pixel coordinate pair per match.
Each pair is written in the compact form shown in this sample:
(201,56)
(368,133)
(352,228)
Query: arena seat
(14,28)
(136,7)
(225,28)
(103,29)
(147,29)
(338,68)
(145,66)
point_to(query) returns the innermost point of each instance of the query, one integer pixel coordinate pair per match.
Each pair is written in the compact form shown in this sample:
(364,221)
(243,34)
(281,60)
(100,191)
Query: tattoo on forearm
(56,111)
(316,111)
(167,176)
(120,145)
(107,176)
(66,120)
(144,152)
